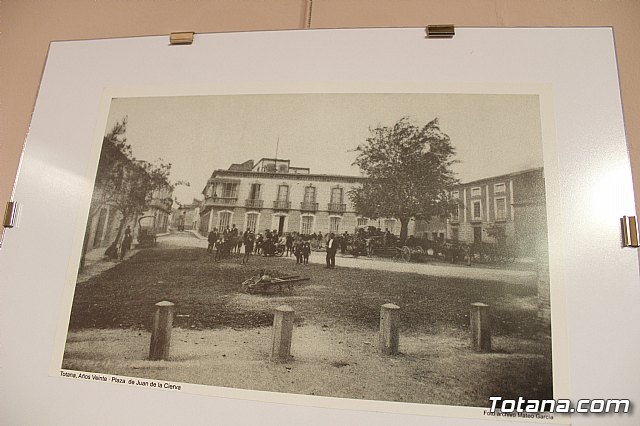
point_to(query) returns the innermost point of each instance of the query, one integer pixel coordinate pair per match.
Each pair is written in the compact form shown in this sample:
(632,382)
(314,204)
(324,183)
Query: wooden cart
(263,283)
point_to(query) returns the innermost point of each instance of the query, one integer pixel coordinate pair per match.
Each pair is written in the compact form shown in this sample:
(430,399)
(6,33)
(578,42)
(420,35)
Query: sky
(492,134)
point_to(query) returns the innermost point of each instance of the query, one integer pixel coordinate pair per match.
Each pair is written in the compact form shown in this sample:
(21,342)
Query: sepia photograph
(365,246)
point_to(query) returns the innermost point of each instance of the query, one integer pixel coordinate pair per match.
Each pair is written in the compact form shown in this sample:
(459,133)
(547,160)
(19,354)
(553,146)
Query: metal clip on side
(440,31)
(629,227)
(184,37)
(11,215)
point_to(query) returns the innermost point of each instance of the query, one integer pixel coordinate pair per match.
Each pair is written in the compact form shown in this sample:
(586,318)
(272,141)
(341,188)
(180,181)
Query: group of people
(268,244)
(229,241)
(113,252)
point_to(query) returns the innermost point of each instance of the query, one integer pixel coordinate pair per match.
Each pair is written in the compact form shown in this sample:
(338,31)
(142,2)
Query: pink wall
(27,27)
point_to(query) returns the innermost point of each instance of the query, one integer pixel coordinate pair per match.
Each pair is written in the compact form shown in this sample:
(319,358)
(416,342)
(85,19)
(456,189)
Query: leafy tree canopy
(123,181)
(409,172)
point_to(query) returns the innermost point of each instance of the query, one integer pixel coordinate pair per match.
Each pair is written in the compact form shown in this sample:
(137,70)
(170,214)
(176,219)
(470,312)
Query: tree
(409,173)
(115,156)
(123,182)
(141,180)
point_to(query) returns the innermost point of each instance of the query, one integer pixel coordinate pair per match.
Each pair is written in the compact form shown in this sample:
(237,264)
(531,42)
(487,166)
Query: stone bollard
(480,327)
(161,333)
(389,337)
(282,330)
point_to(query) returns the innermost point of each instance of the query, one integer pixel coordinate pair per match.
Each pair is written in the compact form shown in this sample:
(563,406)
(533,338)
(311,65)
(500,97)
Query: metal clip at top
(440,31)
(181,38)
(629,227)
(11,215)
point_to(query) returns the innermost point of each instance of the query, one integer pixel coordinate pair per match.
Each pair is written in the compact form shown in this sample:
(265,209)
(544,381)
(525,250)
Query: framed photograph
(332,220)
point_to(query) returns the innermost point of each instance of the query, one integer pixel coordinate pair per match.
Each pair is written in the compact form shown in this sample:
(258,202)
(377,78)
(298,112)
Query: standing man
(332,248)
(289,244)
(248,246)
(212,238)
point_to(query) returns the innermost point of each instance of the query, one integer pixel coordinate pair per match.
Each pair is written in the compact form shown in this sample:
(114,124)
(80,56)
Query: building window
(283,193)
(476,191)
(336,195)
(362,222)
(310,194)
(254,192)
(225,219)
(455,234)
(229,190)
(455,194)
(499,188)
(334,225)
(307,225)
(501,208)
(477,210)
(252,221)
(455,213)
(390,225)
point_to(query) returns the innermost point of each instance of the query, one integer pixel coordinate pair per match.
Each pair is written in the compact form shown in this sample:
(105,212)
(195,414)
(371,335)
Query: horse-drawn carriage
(146,232)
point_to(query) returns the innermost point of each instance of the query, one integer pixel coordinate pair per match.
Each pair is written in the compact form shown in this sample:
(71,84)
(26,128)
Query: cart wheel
(406,253)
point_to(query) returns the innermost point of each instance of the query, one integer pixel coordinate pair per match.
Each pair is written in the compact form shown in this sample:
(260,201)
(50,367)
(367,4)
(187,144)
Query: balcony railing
(337,207)
(256,204)
(282,205)
(309,207)
(226,201)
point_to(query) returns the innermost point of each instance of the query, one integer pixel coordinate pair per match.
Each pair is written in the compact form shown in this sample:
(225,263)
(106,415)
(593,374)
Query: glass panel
(476,210)
(283,193)
(229,190)
(334,225)
(310,194)
(255,191)
(336,196)
(307,224)
(252,221)
(225,218)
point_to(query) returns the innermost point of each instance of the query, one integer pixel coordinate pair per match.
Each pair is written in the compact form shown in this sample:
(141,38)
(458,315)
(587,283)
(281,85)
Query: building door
(281,225)
(477,234)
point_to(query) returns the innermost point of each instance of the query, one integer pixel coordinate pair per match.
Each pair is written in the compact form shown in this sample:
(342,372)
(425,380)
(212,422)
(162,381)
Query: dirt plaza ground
(222,336)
